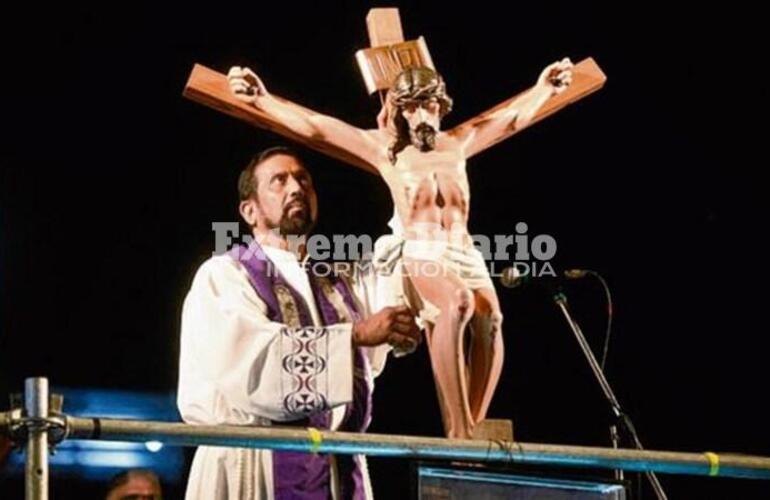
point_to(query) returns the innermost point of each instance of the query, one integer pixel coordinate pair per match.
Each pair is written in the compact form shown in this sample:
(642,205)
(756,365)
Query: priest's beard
(423,137)
(300,222)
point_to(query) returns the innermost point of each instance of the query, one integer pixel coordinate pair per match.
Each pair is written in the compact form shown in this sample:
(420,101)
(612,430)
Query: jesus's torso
(430,189)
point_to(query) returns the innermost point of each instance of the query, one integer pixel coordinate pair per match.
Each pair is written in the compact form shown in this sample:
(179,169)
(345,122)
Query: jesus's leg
(487,352)
(445,291)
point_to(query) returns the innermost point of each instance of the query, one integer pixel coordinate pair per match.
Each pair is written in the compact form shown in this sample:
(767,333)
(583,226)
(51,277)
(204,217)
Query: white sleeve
(237,366)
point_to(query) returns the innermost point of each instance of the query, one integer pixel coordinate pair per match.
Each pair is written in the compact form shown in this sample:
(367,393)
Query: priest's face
(286,199)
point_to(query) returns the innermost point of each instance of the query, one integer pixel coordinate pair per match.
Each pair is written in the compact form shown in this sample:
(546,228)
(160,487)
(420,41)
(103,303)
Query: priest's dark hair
(247,180)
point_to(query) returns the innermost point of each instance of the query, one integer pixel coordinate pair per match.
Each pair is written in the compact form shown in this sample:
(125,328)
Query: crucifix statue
(425,169)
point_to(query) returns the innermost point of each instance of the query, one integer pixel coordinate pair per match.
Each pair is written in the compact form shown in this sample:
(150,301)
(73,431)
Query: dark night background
(110,181)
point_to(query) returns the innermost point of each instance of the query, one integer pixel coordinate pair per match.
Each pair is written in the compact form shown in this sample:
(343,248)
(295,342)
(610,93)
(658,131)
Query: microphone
(511,277)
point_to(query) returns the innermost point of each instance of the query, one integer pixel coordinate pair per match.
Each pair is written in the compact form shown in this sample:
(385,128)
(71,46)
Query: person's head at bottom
(134,484)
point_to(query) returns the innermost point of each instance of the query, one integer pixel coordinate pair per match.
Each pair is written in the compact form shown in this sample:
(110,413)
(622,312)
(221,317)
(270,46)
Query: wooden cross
(388,54)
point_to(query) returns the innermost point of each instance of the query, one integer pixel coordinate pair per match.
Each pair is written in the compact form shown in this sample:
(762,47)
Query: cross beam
(587,78)
(210,88)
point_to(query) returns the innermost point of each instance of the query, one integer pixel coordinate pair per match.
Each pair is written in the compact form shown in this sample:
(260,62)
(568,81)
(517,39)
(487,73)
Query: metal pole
(561,301)
(36,468)
(347,443)
(615,438)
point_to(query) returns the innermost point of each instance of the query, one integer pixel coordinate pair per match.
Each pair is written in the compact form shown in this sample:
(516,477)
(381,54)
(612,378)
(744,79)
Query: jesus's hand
(246,85)
(556,77)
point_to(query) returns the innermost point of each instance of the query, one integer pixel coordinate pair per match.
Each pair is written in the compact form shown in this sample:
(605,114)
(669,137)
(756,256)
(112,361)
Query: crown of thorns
(417,85)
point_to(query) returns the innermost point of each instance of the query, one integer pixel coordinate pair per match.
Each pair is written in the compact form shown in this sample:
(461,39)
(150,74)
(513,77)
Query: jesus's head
(417,101)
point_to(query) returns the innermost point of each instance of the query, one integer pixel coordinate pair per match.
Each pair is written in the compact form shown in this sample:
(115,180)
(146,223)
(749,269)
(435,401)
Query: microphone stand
(622,417)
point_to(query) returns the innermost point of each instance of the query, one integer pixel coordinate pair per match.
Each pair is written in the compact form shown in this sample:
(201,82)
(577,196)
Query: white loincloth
(462,260)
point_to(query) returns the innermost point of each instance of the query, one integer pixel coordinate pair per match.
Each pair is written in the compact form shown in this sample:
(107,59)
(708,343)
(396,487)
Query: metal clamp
(17,425)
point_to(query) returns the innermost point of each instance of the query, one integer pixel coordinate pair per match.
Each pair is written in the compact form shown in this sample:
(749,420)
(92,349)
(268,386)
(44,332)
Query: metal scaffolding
(41,428)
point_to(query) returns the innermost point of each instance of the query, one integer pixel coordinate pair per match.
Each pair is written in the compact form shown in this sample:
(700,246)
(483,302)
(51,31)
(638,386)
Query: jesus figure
(424,168)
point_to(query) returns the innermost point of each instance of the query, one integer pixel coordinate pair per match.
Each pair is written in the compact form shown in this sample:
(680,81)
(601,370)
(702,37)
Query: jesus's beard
(423,137)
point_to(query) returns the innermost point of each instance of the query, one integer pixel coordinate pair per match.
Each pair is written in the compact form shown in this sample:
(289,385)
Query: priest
(265,341)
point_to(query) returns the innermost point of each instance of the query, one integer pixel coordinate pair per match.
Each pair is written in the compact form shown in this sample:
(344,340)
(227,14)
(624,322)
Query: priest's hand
(246,85)
(392,325)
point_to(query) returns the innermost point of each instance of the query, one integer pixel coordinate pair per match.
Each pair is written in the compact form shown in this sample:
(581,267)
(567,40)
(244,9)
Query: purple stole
(306,475)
